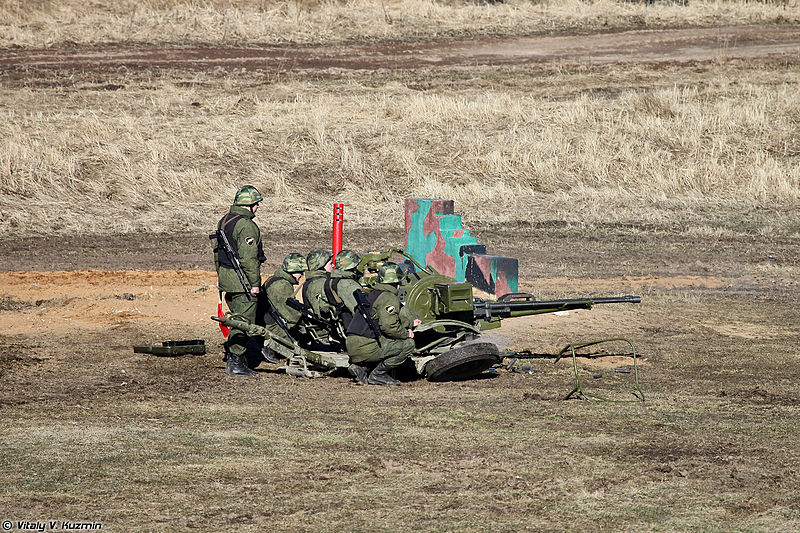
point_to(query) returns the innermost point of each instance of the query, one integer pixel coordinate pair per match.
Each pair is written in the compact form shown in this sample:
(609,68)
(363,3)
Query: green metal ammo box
(453,297)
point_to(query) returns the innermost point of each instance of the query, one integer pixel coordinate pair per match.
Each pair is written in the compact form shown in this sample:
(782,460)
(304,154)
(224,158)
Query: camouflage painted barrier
(436,238)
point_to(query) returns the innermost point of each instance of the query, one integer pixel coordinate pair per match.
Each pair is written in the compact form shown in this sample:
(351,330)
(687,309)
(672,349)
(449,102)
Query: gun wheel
(463,362)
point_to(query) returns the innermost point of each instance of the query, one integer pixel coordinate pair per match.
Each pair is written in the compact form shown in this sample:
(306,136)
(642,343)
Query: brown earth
(142,289)
(642,46)
(66,288)
(63,302)
(115,432)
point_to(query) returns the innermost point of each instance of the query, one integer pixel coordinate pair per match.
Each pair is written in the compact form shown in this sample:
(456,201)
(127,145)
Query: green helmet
(347,260)
(294,262)
(247,195)
(318,258)
(389,273)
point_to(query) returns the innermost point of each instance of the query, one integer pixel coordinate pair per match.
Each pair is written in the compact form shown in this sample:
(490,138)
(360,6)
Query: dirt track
(642,46)
(61,302)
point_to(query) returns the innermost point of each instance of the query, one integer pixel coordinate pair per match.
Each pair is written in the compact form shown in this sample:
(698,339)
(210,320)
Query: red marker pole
(338,223)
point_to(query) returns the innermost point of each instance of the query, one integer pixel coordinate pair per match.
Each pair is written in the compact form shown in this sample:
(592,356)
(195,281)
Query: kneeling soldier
(338,302)
(319,264)
(279,318)
(388,340)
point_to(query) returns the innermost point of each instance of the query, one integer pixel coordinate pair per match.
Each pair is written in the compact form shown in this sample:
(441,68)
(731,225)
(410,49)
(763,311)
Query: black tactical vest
(332,297)
(359,326)
(226,224)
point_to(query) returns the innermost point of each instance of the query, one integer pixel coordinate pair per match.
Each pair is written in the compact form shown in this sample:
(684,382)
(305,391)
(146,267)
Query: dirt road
(642,46)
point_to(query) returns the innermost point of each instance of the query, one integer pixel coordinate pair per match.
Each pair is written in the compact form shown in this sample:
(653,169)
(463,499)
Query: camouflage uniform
(338,302)
(245,238)
(344,287)
(394,345)
(279,288)
(247,242)
(313,288)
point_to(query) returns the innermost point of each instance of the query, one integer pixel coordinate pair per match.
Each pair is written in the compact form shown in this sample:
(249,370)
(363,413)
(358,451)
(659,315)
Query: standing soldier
(244,238)
(382,332)
(281,319)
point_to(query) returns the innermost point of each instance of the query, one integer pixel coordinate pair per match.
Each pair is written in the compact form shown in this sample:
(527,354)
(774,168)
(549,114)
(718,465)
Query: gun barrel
(522,308)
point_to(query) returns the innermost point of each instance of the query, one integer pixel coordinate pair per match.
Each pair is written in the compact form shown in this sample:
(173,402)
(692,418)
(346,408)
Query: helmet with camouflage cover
(389,273)
(247,195)
(294,262)
(347,260)
(318,258)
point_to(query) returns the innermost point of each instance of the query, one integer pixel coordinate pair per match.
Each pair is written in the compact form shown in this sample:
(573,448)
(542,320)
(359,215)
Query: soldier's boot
(380,376)
(360,373)
(269,355)
(237,367)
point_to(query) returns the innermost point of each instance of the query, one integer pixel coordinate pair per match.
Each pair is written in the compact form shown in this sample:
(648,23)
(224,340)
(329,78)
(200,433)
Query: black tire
(463,362)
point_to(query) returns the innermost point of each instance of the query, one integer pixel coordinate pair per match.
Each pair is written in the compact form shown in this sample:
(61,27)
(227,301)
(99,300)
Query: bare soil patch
(641,46)
(62,301)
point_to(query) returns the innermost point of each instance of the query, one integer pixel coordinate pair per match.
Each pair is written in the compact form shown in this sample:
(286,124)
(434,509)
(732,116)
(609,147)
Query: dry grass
(170,444)
(168,150)
(168,153)
(42,23)
(94,432)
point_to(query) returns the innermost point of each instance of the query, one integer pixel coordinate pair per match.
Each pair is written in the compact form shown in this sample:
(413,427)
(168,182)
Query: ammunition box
(452,297)
(174,348)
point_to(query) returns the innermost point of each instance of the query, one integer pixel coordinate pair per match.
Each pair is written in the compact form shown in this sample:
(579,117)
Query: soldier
(338,302)
(319,266)
(245,239)
(277,290)
(393,343)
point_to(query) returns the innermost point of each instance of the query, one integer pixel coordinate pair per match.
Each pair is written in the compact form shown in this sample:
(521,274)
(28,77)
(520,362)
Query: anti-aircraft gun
(453,318)
(448,345)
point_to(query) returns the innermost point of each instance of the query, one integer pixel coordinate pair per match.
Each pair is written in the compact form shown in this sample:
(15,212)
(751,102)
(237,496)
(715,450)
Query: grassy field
(677,181)
(46,23)
(121,151)
(92,432)
(585,145)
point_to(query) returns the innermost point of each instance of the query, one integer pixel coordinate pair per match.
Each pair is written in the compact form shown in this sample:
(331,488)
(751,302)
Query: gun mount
(453,318)
(448,345)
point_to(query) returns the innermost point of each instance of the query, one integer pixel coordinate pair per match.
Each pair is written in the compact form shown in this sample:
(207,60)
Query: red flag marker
(225,330)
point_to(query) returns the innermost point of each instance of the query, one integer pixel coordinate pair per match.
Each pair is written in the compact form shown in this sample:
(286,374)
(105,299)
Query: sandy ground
(63,302)
(157,303)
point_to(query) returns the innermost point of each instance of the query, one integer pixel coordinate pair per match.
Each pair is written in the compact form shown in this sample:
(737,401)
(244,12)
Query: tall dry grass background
(168,157)
(42,23)
(167,150)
